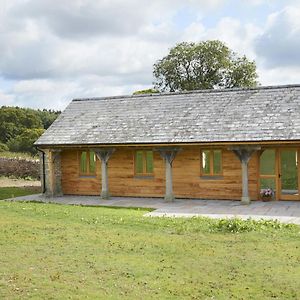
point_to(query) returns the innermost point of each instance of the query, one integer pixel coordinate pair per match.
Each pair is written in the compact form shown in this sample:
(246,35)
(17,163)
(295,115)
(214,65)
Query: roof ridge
(266,87)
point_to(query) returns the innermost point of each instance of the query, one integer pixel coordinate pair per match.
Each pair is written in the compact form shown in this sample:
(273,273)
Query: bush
(19,168)
(3,147)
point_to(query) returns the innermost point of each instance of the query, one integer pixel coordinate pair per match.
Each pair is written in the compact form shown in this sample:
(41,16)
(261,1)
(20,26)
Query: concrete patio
(283,211)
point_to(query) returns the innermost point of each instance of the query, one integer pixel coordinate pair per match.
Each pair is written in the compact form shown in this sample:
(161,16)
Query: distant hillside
(20,127)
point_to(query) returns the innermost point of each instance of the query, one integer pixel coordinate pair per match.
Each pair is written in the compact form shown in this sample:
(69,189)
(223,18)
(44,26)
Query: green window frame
(87,163)
(143,163)
(211,162)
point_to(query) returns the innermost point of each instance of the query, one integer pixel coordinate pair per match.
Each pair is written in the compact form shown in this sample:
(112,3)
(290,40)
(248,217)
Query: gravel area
(9,182)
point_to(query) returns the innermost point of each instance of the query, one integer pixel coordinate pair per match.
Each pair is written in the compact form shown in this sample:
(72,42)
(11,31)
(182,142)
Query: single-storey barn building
(210,144)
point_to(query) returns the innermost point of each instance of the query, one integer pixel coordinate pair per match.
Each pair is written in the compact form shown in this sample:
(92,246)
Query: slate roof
(233,115)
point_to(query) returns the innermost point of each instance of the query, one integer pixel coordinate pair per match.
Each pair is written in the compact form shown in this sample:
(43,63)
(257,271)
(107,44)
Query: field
(16,187)
(18,155)
(53,251)
(11,192)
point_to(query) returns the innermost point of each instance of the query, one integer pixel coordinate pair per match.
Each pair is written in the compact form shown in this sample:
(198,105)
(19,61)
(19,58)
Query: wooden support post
(104,155)
(168,154)
(244,154)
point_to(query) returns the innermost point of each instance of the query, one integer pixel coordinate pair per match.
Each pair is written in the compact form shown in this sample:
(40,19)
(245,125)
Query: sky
(52,51)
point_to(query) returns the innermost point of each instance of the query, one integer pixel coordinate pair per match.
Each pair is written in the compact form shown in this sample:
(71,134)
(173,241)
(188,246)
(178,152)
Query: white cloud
(6,99)
(280,75)
(195,32)
(279,44)
(50,93)
(239,37)
(275,48)
(33,47)
(44,93)
(52,51)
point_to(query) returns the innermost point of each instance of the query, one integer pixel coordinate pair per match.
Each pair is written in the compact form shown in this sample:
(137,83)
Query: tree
(16,123)
(24,141)
(148,91)
(47,117)
(203,65)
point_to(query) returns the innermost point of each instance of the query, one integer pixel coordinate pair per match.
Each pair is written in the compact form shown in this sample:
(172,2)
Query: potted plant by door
(266,194)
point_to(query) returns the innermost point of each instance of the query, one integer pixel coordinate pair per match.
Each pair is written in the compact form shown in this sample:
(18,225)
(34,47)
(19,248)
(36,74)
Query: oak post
(168,154)
(104,155)
(244,154)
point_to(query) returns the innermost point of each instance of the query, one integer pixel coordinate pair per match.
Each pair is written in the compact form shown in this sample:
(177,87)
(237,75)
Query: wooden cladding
(187,182)
(72,182)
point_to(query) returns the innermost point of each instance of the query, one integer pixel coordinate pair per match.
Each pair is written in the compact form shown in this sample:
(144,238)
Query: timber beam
(168,154)
(104,155)
(244,154)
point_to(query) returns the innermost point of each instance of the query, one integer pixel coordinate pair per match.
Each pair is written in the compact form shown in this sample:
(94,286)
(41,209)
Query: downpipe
(44,170)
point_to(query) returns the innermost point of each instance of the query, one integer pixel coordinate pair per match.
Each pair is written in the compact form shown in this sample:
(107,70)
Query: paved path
(284,211)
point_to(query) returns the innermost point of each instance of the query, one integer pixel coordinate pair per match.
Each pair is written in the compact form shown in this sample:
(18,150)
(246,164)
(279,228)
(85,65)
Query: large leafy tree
(20,127)
(203,65)
(24,141)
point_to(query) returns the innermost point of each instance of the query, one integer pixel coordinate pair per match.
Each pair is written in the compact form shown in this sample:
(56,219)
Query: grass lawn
(53,251)
(11,192)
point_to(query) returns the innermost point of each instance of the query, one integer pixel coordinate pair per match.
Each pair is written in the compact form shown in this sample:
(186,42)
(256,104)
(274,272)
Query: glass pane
(206,162)
(268,183)
(149,162)
(139,162)
(92,162)
(83,168)
(217,162)
(289,172)
(267,162)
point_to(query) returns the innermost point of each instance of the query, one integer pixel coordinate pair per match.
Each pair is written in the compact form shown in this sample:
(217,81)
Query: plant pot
(266,199)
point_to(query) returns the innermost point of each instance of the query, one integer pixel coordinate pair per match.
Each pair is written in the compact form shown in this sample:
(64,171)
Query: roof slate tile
(257,114)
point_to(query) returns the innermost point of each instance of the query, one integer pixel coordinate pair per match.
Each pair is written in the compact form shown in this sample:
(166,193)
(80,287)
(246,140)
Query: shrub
(19,168)
(3,147)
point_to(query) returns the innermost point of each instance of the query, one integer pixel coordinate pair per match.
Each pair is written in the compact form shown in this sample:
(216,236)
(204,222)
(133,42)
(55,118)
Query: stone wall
(53,173)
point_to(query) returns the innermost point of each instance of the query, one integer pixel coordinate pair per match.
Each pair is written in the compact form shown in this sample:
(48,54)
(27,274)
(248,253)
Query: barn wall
(74,184)
(187,182)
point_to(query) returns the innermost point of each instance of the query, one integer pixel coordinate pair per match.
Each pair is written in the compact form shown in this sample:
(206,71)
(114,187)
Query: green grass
(53,251)
(11,192)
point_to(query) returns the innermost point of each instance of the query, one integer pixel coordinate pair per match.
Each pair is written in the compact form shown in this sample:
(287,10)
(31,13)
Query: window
(267,169)
(87,163)
(211,162)
(143,163)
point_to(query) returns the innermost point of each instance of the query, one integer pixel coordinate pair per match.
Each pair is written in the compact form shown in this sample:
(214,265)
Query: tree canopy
(203,65)
(20,127)
(147,91)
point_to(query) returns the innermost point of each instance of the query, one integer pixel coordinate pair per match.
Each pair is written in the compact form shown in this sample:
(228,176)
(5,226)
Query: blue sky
(52,51)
